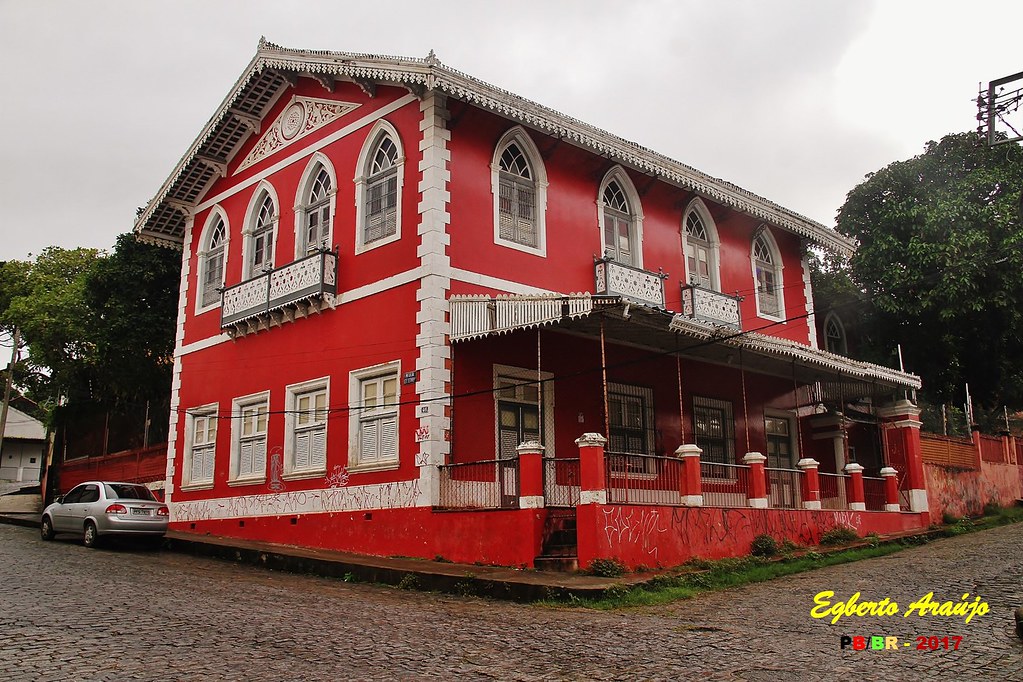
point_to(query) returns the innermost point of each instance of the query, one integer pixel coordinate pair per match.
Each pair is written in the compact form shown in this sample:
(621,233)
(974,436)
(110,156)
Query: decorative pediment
(302,116)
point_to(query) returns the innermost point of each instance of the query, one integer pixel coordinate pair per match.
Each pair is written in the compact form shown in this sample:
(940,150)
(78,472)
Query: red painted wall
(653,536)
(964,492)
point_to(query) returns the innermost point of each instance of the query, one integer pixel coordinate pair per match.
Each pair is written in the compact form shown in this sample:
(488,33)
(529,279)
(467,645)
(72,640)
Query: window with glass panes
(618,237)
(261,257)
(378,419)
(713,429)
(382,192)
(204,447)
(317,213)
(834,335)
(213,264)
(309,438)
(252,420)
(767,277)
(699,257)
(518,414)
(517,205)
(779,443)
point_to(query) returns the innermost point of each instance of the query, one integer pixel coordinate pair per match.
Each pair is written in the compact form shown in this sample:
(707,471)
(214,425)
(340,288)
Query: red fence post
(691,485)
(530,475)
(857,500)
(902,424)
(811,483)
(592,474)
(891,489)
(757,479)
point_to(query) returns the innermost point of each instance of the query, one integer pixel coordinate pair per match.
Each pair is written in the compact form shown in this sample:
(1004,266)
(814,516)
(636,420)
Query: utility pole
(7,388)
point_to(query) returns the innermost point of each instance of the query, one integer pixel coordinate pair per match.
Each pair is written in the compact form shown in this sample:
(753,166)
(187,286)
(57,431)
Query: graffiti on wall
(276,483)
(635,526)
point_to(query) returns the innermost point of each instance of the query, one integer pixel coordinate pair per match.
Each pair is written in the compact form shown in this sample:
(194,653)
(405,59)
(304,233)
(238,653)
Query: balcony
(633,284)
(707,305)
(280,295)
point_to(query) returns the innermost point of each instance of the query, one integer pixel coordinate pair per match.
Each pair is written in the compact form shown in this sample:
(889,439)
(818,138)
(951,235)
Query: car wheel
(90,537)
(46,528)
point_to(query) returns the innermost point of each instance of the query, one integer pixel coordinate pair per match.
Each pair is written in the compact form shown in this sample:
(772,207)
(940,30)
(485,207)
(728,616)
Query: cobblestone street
(70,613)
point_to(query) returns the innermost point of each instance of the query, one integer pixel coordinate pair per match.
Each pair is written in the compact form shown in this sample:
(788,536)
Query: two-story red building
(394,275)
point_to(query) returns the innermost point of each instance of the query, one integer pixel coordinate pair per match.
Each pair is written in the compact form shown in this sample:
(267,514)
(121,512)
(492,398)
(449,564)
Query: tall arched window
(519,183)
(767,273)
(381,167)
(317,213)
(834,335)
(212,259)
(619,232)
(261,235)
(701,247)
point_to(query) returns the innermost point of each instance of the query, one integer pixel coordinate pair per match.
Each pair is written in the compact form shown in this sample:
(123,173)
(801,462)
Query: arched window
(378,188)
(261,235)
(834,335)
(621,219)
(212,259)
(701,247)
(767,274)
(317,213)
(519,184)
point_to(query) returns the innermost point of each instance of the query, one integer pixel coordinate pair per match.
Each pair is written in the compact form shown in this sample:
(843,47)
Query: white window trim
(293,391)
(697,206)
(779,274)
(380,128)
(650,436)
(204,241)
(832,317)
(546,406)
(525,143)
(355,379)
(618,173)
(727,408)
(305,185)
(249,228)
(186,464)
(236,433)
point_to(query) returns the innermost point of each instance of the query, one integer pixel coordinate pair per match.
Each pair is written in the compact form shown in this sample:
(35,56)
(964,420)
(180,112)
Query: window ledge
(246,481)
(205,485)
(365,468)
(532,250)
(299,475)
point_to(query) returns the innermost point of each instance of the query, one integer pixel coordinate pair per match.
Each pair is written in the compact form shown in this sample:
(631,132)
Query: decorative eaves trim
(428,73)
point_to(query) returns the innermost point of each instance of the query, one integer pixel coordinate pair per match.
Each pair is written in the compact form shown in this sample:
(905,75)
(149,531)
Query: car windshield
(127,491)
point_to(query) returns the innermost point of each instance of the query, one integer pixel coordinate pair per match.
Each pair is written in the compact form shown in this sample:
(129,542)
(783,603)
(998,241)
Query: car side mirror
(59,499)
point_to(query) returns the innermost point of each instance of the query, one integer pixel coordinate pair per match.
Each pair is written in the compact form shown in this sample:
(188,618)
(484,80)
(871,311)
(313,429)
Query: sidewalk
(421,574)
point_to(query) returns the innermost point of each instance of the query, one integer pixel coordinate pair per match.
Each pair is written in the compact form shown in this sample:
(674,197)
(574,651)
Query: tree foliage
(939,259)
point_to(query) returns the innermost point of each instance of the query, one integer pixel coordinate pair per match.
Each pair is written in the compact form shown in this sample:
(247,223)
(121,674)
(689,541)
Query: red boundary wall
(964,492)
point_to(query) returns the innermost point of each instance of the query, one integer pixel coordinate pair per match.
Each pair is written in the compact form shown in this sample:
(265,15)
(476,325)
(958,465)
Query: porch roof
(832,376)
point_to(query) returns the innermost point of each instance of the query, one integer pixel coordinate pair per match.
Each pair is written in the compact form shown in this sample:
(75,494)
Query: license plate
(139,512)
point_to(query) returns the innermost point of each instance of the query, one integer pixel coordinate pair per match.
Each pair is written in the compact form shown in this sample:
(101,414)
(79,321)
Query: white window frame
(192,416)
(305,186)
(238,405)
(357,415)
(650,428)
(521,138)
(832,318)
(292,428)
(203,252)
(636,213)
(764,232)
(249,231)
(369,147)
(545,408)
(713,242)
(729,425)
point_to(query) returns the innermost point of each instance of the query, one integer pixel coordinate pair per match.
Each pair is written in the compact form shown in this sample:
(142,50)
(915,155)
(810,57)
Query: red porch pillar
(530,475)
(857,500)
(592,474)
(891,489)
(902,434)
(811,483)
(691,485)
(757,480)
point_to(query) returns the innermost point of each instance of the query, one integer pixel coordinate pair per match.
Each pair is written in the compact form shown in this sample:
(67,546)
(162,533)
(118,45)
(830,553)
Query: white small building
(24,447)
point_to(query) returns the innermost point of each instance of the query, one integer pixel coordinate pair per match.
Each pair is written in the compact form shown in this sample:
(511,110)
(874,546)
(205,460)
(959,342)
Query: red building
(394,274)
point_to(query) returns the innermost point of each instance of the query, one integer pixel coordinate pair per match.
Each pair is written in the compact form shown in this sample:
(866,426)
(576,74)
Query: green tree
(940,251)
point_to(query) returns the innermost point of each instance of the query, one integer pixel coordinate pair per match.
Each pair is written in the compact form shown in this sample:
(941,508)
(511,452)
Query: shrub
(948,518)
(764,545)
(963,525)
(409,581)
(607,568)
(617,591)
(992,508)
(839,535)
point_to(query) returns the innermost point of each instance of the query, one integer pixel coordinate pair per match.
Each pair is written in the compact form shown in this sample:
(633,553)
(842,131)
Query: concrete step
(558,564)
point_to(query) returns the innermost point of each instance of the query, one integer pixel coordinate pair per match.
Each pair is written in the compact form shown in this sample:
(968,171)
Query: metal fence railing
(643,479)
(834,490)
(784,488)
(561,481)
(873,493)
(489,484)
(725,485)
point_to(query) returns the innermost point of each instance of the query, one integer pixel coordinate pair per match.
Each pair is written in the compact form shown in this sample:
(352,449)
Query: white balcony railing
(711,306)
(636,285)
(307,278)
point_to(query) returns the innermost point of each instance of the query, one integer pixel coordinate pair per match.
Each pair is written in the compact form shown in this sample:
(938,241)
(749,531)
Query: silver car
(95,509)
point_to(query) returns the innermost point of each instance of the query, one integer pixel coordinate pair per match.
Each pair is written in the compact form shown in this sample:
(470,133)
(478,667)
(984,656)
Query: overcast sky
(795,100)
